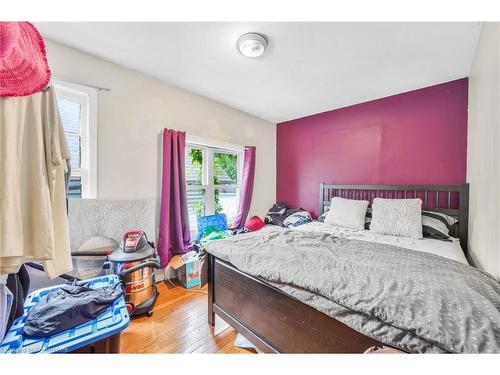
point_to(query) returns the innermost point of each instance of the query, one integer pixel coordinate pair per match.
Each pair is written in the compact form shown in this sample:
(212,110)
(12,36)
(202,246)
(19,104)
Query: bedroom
(250,187)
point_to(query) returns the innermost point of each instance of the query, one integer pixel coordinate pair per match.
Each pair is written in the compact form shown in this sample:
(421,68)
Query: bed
(277,320)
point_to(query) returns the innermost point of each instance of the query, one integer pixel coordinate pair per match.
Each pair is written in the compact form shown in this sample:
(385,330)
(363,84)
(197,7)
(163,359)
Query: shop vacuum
(135,262)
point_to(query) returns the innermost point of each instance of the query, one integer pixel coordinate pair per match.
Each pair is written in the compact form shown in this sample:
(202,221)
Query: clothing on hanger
(34,157)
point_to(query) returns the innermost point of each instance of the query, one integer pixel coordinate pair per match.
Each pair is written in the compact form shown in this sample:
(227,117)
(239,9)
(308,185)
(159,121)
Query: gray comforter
(416,301)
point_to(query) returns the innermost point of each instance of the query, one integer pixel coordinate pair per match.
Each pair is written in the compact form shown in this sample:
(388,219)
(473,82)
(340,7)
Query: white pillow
(348,213)
(397,217)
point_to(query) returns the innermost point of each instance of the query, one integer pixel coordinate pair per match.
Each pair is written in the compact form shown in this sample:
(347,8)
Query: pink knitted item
(23,63)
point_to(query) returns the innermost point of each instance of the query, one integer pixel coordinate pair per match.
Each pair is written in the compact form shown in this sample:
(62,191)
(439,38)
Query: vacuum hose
(150,263)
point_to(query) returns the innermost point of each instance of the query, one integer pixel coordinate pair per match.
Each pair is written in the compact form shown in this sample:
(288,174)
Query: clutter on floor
(242,342)
(190,268)
(187,269)
(86,333)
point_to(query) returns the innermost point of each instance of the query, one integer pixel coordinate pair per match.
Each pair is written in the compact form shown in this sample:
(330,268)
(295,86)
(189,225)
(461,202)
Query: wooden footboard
(274,321)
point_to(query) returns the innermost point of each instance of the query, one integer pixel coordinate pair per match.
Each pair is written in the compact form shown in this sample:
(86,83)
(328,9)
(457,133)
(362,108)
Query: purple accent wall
(418,137)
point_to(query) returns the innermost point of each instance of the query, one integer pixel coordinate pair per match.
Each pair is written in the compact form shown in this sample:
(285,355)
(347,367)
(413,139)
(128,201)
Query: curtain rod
(83,84)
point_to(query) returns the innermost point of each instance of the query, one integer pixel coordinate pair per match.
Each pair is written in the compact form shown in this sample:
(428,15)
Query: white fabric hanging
(33,158)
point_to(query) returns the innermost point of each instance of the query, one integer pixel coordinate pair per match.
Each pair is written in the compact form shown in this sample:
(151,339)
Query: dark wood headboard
(452,200)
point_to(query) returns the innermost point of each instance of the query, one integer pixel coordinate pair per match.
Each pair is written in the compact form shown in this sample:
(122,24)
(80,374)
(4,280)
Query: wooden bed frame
(278,323)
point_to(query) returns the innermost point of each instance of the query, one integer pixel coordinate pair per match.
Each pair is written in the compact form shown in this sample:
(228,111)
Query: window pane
(226,201)
(74,149)
(194,162)
(196,206)
(70,111)
(225,169)
(70,114)
(75,187)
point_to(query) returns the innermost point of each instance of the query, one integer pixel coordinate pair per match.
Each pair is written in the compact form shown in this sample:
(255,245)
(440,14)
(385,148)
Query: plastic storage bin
(107,325)
(217,221)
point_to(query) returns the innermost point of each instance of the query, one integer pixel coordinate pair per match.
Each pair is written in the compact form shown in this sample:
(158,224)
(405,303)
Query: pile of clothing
(280,214)
(219,228)
(68,307)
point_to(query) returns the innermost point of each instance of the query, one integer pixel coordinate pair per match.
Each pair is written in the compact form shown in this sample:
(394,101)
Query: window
(213,177)
(78,109)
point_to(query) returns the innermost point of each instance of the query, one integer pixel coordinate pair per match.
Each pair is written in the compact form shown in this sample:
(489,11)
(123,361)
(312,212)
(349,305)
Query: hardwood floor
(179,325)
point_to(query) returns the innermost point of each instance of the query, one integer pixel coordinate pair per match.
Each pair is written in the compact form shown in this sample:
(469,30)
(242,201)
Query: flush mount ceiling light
(252,44)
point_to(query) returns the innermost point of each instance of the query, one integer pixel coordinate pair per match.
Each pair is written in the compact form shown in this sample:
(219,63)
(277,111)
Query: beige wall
(131,115)
(483,170)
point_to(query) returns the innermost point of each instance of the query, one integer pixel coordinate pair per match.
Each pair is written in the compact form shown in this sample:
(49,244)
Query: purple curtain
(246,187)
(174,237)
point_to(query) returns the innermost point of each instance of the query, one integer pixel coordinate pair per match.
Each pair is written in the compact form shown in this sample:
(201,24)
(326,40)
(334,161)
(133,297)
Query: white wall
(131,115)
(483,165)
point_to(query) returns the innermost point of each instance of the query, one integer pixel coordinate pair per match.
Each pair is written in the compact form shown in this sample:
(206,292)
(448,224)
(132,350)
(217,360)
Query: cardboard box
(187,269)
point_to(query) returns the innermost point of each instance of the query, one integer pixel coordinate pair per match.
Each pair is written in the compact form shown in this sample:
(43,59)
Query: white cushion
(99,244)
(397,217)
(348,213)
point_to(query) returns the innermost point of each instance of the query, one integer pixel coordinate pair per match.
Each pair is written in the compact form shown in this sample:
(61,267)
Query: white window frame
(209,147)
(87,97)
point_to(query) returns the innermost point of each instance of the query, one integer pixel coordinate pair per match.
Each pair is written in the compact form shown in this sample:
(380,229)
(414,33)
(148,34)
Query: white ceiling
(308,67)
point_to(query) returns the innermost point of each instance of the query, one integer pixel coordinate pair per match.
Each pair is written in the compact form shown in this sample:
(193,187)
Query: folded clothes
(68,307)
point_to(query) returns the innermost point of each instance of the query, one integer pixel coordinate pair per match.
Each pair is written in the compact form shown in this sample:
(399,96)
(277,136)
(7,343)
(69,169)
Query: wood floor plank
(179,325)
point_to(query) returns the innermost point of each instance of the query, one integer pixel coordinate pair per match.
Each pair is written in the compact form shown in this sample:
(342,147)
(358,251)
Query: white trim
(92,147)
(210,192)
(214,143)
(87,97)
